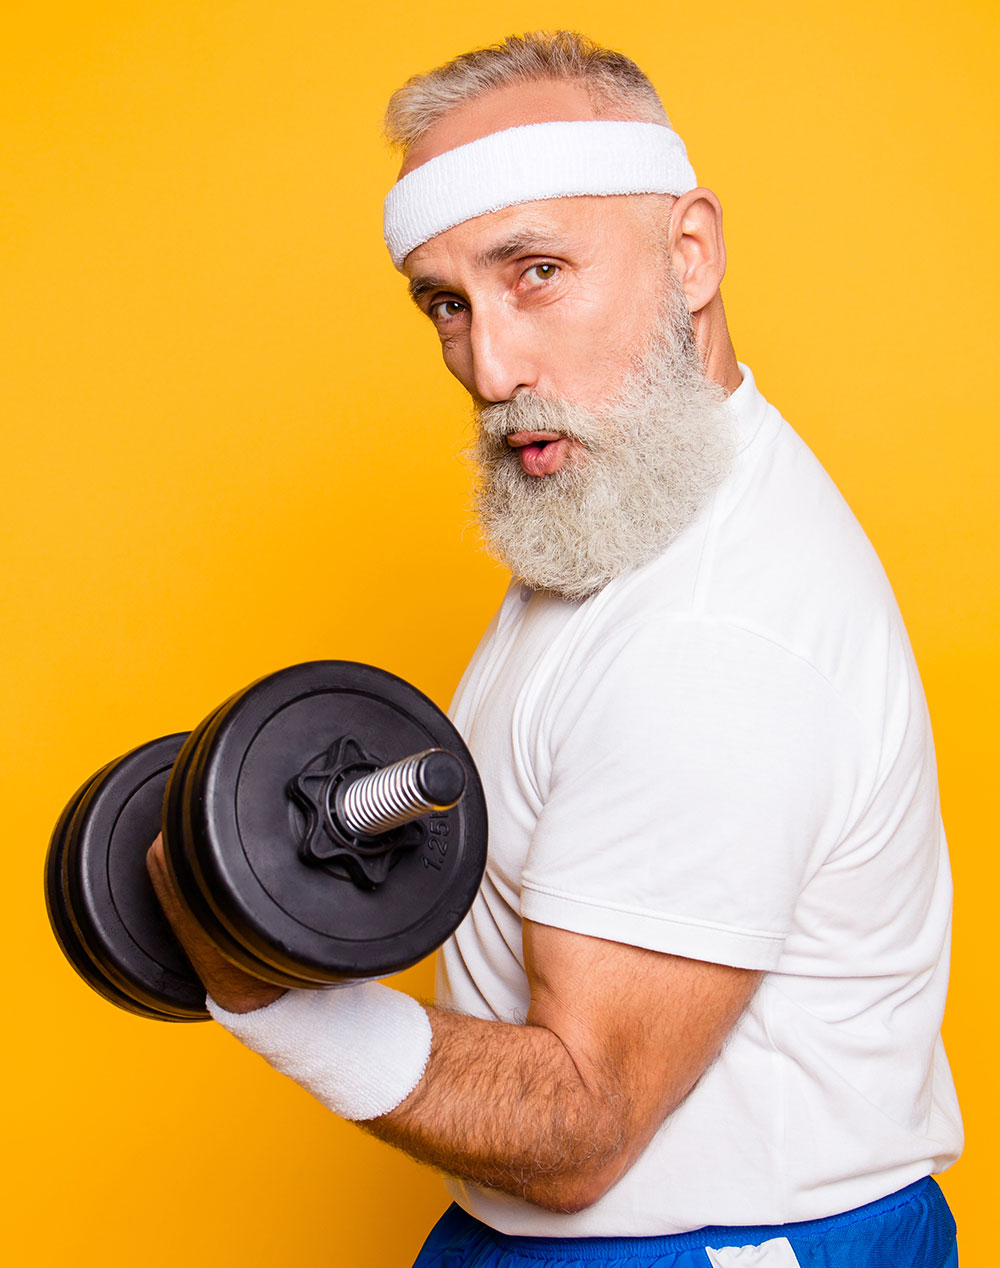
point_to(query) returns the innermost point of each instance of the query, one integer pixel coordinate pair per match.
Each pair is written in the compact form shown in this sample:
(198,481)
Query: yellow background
(229,446)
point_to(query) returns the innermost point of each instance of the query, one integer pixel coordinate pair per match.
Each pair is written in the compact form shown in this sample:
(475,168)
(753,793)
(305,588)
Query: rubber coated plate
(57,906)
(234,833)
(118,939)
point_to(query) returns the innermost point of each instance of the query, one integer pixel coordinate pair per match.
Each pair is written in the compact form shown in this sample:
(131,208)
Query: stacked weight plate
(255,848)
(101,904)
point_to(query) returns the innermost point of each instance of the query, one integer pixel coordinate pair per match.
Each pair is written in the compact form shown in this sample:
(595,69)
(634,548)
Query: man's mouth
(540,453)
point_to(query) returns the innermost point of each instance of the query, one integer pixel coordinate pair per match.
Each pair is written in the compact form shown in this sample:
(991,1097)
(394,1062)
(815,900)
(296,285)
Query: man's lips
(540,453)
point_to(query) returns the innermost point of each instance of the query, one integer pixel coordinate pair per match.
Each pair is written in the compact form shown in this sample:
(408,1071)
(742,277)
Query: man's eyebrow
(530,241)
(420,286)
(525,241)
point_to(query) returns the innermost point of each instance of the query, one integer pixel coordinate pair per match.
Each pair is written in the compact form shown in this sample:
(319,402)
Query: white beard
(650,460)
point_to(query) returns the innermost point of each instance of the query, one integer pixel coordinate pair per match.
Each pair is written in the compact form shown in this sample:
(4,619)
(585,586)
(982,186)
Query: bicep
(639,1025)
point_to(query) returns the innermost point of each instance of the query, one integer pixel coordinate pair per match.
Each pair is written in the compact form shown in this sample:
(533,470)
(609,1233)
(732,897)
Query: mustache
(532,413)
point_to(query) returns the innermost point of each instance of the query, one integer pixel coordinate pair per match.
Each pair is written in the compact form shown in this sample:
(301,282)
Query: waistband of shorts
(597,1248)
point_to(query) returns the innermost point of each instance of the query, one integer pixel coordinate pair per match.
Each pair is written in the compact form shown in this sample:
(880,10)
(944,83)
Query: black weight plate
(59,915)
(127,943)
(234,833)
(177,833)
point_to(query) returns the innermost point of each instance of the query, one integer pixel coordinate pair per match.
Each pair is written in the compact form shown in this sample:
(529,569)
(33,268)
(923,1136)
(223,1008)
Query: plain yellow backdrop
(229,445)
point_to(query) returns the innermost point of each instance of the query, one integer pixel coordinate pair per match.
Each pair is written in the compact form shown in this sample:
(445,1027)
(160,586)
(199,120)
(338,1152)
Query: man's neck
(716,348)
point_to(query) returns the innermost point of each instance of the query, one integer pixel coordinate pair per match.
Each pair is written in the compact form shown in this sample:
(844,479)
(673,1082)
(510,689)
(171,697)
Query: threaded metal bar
(401,792)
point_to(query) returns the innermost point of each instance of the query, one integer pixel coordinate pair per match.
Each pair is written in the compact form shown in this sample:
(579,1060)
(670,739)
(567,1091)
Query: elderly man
(693,1016)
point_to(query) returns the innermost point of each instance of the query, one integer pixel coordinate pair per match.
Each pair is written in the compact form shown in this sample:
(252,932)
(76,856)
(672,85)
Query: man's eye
(542,272)
(442,309)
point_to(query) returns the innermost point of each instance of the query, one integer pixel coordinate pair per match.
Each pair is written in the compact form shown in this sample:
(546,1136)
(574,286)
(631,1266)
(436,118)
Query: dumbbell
(326,824)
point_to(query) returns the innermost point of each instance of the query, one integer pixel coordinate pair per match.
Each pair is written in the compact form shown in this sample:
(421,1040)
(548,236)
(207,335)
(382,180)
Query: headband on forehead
(528,164)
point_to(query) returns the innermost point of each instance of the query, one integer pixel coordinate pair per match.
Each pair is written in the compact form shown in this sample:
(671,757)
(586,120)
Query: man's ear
(697,247)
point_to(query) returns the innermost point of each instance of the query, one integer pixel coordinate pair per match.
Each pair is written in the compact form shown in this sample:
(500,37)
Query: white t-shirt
(726,755)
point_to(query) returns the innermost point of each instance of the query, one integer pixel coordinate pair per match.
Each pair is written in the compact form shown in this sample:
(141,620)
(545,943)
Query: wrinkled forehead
(532,163)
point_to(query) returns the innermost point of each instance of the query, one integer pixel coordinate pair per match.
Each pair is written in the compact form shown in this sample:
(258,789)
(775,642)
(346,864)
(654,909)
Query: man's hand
(229,986)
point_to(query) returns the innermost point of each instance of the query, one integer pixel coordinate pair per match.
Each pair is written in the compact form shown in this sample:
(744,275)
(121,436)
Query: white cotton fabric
(775,1253)
(360,1049)
(726,755)
(528,164)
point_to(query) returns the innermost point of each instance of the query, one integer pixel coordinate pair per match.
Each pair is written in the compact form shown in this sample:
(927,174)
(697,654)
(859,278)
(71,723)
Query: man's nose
(504,359)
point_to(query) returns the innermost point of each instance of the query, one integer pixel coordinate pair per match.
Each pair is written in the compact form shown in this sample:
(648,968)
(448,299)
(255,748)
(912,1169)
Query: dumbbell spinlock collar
(361,813)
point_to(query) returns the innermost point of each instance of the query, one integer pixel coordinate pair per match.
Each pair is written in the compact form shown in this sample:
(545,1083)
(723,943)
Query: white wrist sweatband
(360,1049)
(528,164)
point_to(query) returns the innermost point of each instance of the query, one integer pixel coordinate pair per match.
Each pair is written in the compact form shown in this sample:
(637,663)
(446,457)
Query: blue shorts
(910,1229)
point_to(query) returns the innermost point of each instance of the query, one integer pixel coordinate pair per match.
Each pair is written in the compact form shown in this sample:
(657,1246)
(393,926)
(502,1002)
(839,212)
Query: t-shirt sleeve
(699,774)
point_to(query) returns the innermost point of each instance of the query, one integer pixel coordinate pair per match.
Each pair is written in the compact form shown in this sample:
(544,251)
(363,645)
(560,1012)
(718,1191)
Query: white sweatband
(360,1049)
(528,164)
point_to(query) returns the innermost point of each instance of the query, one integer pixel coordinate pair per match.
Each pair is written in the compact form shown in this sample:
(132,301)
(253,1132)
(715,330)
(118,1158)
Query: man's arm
(556,1110)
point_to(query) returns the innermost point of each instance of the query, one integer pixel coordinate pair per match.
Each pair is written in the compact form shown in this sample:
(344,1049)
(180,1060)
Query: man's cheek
(458,361)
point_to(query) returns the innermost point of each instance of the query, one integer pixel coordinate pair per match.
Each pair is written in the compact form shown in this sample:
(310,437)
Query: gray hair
(613,81)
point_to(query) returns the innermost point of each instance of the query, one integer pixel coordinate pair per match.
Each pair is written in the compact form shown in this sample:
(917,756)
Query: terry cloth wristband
(359,1049)
(528,164)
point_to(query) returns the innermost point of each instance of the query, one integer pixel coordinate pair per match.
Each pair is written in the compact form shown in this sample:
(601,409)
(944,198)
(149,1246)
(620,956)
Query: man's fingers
(229,986)
(159,875)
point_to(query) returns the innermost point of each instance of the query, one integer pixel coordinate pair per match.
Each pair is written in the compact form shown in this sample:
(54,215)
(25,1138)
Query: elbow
(584,1168)
(566,1200)
(573,1191)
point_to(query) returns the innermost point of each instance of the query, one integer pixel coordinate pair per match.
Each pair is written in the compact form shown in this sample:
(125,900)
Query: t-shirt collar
(749,407)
